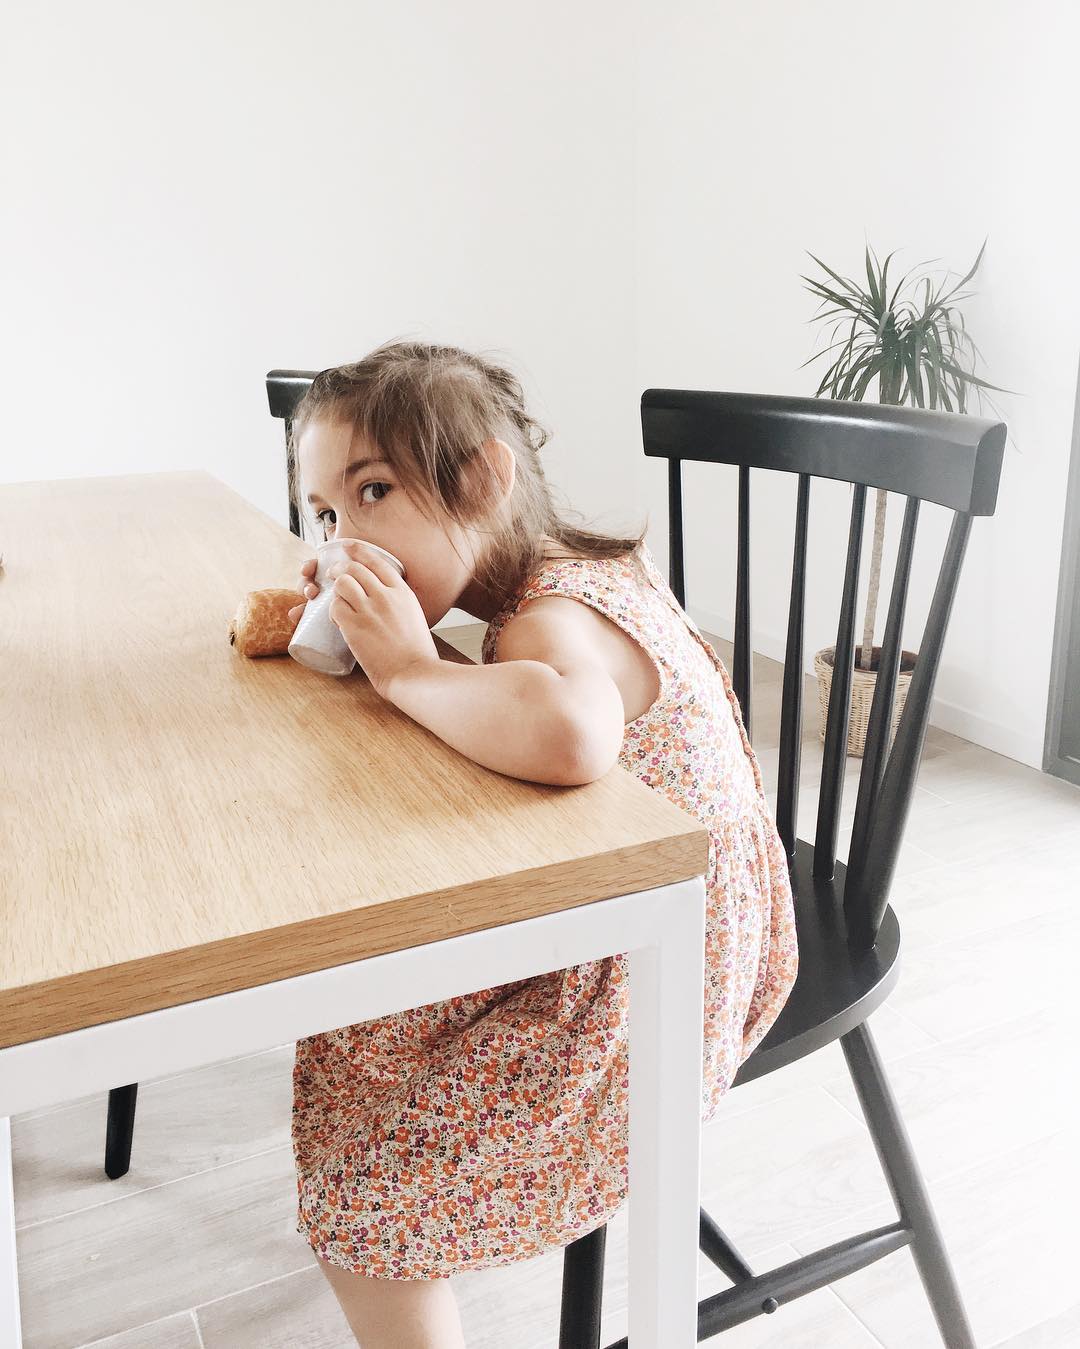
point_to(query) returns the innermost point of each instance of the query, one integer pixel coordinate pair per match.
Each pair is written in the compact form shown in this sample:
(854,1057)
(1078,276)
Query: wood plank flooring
(195,1248)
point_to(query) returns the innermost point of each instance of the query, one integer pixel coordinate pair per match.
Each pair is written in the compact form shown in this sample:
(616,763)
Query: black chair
(284,389)
(849,938)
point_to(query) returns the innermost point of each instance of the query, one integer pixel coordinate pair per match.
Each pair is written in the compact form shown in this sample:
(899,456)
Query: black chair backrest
(941,457)
(284,389)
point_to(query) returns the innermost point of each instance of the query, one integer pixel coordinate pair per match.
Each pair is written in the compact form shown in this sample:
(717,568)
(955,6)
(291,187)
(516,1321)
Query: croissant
(262,626)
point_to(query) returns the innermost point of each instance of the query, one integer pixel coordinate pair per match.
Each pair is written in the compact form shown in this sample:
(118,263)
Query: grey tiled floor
(195,1249)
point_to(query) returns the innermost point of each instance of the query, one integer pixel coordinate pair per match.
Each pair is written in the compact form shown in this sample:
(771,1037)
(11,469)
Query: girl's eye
(373,492)
(322,518)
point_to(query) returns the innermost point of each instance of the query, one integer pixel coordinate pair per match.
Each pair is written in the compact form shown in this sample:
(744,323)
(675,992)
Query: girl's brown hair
(429,409)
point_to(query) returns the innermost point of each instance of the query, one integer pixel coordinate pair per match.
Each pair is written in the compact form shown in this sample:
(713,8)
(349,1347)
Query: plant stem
(874,584)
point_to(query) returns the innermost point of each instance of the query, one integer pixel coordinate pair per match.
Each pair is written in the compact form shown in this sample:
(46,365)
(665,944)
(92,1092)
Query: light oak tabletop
(178,821)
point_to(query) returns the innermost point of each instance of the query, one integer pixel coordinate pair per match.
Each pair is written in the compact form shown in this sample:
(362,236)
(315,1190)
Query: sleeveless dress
(489,1128)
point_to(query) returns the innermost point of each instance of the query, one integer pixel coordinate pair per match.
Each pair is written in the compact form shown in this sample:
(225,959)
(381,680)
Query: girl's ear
(499,471)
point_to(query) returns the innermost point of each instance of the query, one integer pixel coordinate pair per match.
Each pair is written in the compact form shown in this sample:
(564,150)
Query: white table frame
(663,929)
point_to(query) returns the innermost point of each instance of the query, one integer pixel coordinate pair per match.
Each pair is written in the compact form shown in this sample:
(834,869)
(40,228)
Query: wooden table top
(178,821)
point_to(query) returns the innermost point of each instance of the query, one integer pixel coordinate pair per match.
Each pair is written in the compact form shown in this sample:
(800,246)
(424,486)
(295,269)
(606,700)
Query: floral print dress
(489,1128)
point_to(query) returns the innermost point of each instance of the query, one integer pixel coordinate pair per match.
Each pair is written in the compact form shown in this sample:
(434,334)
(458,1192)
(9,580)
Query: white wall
(204,191)
(614,198)
(768,130)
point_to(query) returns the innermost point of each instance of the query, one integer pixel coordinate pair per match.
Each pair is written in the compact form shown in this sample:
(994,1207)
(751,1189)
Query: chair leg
(582,1291)
(118,1130)
(714,1244)
(908,1190)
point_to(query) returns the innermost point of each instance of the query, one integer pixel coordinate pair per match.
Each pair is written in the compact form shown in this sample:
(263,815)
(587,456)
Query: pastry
(262,626)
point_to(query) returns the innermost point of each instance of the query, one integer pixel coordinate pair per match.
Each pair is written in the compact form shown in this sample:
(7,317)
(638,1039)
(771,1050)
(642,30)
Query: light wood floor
(196,1247)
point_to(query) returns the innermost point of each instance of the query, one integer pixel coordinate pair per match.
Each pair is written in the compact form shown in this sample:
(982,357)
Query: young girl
(492,1127)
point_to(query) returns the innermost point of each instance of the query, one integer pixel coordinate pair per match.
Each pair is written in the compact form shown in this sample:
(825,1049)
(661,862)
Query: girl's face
(440,557)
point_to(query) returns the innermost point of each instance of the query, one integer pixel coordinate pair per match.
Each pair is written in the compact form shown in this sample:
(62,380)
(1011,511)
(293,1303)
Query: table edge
(73,1002)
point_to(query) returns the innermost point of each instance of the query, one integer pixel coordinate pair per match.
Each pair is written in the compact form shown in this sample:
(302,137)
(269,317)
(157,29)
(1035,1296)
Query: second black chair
(849,938)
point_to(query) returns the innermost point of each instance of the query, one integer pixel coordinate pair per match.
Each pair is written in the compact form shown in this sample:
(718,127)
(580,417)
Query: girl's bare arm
(546,711)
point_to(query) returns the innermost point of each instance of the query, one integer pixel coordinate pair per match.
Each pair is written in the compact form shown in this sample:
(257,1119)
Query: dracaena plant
(908,345)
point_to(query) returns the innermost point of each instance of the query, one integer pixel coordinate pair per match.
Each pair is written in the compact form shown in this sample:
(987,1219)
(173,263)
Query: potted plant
(911,346)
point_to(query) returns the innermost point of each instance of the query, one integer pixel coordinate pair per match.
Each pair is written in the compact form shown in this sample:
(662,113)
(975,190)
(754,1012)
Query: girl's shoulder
(633,568)
(620,588)
(578,576)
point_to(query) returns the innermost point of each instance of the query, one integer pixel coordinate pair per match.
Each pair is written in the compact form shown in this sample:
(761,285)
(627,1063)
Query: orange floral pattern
(489,1128)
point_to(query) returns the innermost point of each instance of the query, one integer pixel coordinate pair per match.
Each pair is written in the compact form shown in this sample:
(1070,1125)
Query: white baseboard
(980,730)
(946,716)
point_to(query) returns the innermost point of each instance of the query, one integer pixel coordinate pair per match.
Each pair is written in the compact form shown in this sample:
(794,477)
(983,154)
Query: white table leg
(10,1321)
(666,992)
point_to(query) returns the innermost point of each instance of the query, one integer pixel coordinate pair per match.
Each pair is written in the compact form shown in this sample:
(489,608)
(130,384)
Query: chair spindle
(787,791)
(879,726)
(291,479)
(898,782)
(742,670)
(676,573)
(836,723)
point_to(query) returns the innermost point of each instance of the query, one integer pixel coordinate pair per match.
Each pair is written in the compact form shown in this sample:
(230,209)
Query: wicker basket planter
(863,683)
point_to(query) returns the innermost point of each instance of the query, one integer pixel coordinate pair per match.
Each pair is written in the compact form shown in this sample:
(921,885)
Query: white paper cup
(317,641)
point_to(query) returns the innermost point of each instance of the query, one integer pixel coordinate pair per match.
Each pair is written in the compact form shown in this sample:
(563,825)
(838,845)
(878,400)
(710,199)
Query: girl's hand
(307,587)
(379,617)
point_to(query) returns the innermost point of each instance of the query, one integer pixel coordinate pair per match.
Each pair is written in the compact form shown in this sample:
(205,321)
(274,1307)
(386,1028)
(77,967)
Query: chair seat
(838,985)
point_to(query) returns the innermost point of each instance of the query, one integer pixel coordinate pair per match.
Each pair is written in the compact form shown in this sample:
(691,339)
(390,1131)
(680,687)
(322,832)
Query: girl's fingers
(311,591)
(374,562)
(349,590)
(358,572)
(294,614)
(341,611)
